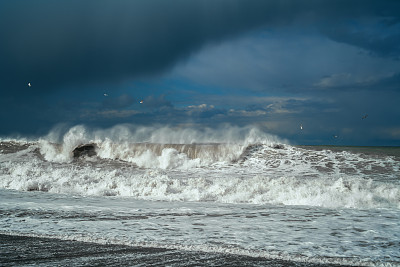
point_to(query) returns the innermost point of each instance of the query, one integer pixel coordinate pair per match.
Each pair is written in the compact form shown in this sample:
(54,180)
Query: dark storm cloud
(334,84)
(391,83)
(121,101)
(72,42)
(55,43)
(62,47)
(156,102)
(383,41)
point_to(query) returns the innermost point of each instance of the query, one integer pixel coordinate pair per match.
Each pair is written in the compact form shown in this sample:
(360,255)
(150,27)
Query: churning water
(236,191)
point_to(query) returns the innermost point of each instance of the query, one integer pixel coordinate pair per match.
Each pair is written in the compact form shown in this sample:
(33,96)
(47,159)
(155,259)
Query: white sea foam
(232,191)
(256,180)
(170,156)
(318,235)
(164,135)
(122,142)
(239,170)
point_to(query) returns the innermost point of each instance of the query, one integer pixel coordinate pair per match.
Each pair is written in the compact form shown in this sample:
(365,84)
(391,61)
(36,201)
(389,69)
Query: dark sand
(32,251)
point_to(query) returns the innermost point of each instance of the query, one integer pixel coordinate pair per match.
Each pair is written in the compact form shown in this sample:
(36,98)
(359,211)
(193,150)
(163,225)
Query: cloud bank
(274,63)
(52,44)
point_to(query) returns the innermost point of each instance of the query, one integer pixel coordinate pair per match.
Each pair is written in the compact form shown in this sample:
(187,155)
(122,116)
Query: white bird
(29,84)
(105,95)
(301,126)
(141,102)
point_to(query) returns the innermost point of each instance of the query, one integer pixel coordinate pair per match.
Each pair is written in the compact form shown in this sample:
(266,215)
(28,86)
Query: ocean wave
(218,184)
(141,145)
(247,168)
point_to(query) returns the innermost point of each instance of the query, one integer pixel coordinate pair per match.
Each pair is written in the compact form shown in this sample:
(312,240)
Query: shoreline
(23,250)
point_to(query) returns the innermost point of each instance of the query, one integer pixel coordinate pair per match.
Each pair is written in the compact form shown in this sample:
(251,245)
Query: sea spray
(235,192)
(121,141)
(263,175)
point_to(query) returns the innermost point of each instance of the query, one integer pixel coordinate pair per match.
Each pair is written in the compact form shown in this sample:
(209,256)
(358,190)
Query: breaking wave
(163,147)
(248,167)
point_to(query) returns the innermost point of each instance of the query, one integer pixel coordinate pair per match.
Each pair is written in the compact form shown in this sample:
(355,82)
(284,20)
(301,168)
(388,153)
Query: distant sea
(209,203)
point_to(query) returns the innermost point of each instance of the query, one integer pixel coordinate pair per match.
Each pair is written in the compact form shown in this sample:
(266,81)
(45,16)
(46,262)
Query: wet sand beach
(29,251)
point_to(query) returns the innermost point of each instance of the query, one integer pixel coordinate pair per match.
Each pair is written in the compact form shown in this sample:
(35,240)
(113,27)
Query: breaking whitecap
(311,203)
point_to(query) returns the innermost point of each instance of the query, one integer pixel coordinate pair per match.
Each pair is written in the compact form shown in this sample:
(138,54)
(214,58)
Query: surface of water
(308,204)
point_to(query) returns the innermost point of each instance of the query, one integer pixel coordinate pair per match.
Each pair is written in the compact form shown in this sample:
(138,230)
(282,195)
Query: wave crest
(164,145)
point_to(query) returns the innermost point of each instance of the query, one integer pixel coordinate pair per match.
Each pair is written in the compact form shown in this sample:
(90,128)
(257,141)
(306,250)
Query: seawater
(236,191)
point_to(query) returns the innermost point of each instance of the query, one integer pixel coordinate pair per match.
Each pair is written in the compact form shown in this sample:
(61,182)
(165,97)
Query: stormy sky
(332,67)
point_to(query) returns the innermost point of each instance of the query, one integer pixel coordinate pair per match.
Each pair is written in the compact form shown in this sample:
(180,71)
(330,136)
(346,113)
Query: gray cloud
(62,46)
(377,36)
(75,42)
(121,101)
(156,102)
(287,61)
